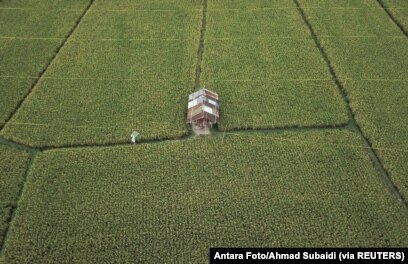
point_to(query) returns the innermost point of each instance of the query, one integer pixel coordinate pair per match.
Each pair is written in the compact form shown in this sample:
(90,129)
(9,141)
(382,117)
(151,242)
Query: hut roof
(203,92)
(203,100)
(203,105)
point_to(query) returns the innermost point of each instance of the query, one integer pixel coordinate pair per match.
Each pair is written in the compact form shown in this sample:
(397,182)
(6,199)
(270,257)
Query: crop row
(44,4)
(248,4)
(164,5)
(140,25)
(172,201)
(37,23)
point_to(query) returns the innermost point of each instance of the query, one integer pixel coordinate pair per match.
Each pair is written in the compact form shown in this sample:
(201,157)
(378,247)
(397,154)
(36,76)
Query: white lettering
(228,256)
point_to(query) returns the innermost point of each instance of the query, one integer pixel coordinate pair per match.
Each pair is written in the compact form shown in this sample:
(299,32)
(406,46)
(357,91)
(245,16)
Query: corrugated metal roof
(205,92)
(196,94)
(192,103)
(202,99)
(203,105)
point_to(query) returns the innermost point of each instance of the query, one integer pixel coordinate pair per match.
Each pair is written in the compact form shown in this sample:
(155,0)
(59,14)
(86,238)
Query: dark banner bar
(307,255)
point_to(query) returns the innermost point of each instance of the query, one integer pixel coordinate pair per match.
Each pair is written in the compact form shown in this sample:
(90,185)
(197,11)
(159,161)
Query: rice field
(182,197)
(374,71)
(30,36)
(290,86)
(118,77)
(311,149)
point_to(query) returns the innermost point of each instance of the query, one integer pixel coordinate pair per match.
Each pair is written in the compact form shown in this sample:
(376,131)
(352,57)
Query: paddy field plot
(246,24)
(13,166)
(263,59)
(358,19)
(182,197)
(28,40)
(133,72)
(374,73)
(82,120)
(363,59)
(380,108)
(22,60)
(306,103)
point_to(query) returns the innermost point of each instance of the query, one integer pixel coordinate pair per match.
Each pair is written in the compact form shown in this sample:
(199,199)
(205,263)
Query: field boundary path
(200,50)
(353,125)
(33,153)
(196,130)
(393,18)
